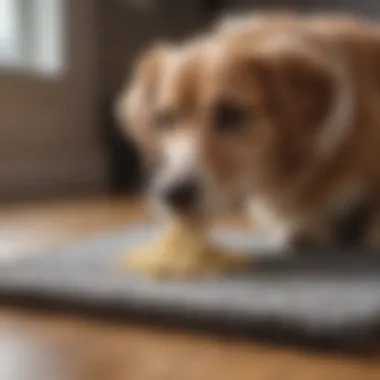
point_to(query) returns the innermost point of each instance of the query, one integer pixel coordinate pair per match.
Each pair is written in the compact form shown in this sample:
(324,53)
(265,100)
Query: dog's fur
(307,159)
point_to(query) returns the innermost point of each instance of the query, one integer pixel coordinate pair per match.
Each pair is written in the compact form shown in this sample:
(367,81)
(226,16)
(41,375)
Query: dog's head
(227,116)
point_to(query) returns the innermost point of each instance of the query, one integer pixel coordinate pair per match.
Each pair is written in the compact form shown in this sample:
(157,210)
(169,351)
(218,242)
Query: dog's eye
(164,120)
(230,118)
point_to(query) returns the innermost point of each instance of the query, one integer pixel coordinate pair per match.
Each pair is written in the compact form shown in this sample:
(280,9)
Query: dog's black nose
(182,195)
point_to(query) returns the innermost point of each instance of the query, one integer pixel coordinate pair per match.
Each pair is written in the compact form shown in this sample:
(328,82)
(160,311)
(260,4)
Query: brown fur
(288,71)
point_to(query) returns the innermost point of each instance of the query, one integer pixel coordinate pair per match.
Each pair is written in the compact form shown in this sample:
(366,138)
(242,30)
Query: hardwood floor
(47,346)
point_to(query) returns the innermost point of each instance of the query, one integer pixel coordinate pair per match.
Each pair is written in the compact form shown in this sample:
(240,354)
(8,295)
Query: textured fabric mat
(330,299)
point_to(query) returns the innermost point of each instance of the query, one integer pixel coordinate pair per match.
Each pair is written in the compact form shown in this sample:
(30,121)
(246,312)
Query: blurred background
(61,64)
(66,172)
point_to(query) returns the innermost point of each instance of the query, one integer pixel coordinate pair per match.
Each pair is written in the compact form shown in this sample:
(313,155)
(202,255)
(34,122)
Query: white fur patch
(180,158)
(263,216)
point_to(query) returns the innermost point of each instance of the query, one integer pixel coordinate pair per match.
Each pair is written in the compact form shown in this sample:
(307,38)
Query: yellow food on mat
(181,250)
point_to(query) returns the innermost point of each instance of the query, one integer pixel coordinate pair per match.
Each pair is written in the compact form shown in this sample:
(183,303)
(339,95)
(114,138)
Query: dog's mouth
(199,196)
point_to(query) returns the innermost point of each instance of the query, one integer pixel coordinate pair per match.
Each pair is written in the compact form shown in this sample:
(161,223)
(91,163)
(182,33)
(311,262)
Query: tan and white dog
(280,110)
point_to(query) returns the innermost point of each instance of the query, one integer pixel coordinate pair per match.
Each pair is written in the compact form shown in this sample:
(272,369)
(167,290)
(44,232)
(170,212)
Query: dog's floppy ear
(308,89)
(302,90)
(134,105)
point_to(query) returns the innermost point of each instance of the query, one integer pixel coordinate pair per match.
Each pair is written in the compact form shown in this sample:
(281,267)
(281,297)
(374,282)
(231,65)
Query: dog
(277,112)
